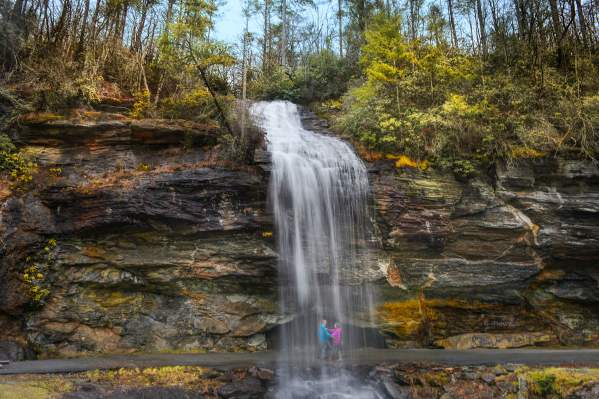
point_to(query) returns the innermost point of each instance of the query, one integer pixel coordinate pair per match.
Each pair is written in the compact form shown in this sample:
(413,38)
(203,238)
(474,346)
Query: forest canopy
(453,82)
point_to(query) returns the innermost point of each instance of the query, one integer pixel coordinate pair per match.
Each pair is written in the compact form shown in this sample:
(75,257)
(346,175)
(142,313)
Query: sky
(230,23)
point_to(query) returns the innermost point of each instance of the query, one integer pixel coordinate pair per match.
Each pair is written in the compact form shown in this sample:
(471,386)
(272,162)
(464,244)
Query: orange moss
(34,118)
(94,252)
(196,296)
(405,318)
(366,154)
(401,318)
(525,152)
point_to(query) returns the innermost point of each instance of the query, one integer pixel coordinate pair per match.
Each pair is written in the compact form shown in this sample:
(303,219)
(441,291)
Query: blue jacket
(323,334)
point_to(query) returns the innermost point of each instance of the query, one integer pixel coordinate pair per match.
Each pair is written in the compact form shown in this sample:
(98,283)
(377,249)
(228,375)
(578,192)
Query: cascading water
(319,195)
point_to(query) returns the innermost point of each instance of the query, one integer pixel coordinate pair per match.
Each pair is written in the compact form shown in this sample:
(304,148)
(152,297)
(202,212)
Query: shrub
(277,85)
(18,168)
(195,104)
(141,104)
(36,270)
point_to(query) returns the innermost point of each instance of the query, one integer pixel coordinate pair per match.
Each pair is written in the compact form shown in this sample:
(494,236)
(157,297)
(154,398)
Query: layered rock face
(505,261)
(158,247)
(161,248)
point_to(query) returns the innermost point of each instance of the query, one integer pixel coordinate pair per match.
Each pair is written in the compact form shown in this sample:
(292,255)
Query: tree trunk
(265,38)
(340,23)
(284,33)
(142,23)
(219,109)
(583,23)
(520,17)
(81,44)
(557,31)
(413,21)
(481,24)
(454,36)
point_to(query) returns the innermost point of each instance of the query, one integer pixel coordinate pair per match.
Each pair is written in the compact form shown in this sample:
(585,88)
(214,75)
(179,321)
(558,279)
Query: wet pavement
(269,359)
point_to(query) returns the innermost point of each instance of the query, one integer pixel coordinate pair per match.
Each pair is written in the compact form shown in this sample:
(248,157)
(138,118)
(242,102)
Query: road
(586,357)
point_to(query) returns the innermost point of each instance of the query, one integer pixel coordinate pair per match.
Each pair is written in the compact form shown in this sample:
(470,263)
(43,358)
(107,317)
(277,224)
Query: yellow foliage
(525,152)
(267,234)
(332,105)
(456,104)
(390,123)
(403,161)
(34,274)
(195,102)
(56,172)
(20,169)
(143,167)
(141,104)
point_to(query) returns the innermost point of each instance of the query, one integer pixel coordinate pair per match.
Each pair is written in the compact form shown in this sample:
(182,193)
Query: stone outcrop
(510,254)
(500,341)
(158,246)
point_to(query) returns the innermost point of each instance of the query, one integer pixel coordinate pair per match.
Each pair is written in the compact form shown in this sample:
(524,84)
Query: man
(324,338)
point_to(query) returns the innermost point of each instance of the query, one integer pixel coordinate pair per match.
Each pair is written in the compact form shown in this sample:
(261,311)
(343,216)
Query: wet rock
(488,378)
(523,244)
(588,391)
(153,240)
(394,390)
(247,388)
(14,352)
(162,249)
(263,374)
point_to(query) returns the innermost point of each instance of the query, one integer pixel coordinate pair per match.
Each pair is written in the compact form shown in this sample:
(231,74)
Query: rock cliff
(157,246)
(147,242)
(505,260)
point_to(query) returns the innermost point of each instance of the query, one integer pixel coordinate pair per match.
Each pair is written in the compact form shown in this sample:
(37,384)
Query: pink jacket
(335,335)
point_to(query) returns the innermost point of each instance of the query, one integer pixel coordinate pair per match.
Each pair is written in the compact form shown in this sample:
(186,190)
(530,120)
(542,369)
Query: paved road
(587,357)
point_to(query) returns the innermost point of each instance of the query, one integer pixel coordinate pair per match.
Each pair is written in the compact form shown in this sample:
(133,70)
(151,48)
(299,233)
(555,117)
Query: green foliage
(323,76)
(36,270)
(429,101)
(545,385)
(463,169)
(555,382)
(277,85)
(6,144)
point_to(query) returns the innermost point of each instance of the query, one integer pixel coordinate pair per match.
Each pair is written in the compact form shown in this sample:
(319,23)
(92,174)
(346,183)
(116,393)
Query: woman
(335,333)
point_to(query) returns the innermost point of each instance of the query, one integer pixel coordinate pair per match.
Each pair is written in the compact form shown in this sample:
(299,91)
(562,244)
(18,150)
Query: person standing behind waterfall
(324,338)
(336,341)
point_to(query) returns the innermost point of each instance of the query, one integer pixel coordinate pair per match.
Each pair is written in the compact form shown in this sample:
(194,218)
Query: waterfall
(319,196)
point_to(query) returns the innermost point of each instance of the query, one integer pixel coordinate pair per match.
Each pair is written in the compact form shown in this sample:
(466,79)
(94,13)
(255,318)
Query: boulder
(492,341)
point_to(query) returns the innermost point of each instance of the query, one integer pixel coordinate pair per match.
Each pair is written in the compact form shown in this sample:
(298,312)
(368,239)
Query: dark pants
(336,352)
(325,348)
